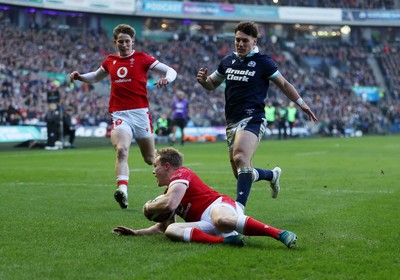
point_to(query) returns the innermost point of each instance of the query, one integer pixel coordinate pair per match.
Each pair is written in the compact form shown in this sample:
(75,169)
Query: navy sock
(244,182)
(264,174)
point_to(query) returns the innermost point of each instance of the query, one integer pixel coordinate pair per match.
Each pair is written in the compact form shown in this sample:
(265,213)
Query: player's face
(244,43)
(160,171)
(124,43)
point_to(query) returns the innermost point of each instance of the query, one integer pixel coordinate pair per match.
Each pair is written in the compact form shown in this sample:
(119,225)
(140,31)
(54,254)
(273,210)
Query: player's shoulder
(264,60)
(113,56)
(230,56)
(139,53)
(261,56)
(142,54)
(182,172)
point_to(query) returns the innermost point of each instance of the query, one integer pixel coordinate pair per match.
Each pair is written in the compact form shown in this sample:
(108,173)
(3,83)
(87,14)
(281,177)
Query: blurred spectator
(180,115)
(291,117)
(52,119)
(270,115)
(25,76)
(162,126)
(281,117)
(69,127)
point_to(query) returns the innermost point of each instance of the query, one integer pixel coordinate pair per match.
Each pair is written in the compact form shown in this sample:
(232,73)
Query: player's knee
(122,152)
(222,223)
(169,231)
(149,159)
(172,232)
(239,159)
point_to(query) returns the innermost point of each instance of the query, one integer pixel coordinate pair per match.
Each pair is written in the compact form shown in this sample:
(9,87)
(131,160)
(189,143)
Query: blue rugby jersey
(247,83)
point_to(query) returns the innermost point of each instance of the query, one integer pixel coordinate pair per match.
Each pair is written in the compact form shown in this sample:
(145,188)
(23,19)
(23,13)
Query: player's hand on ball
(156,217)
(121,230)
(145,212)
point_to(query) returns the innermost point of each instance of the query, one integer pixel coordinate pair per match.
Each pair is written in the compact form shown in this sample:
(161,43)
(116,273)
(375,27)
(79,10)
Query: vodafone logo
(122,72)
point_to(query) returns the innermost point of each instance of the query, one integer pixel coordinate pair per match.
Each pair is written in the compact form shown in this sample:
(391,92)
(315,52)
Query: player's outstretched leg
(288,238)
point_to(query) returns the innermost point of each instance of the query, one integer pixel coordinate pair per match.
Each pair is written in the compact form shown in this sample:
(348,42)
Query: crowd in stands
(29,57)
(344,4)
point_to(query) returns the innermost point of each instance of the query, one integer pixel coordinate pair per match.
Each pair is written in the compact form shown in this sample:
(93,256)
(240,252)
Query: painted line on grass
(315,153)
(344,191)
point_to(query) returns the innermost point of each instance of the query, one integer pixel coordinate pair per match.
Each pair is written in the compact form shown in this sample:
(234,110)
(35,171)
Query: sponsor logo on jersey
(121,73)
(118,122)
(239,75)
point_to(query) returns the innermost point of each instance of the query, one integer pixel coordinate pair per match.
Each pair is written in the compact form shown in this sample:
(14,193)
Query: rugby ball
(158,217)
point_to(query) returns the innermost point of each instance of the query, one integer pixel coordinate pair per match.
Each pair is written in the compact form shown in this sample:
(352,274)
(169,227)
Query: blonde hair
(170,155)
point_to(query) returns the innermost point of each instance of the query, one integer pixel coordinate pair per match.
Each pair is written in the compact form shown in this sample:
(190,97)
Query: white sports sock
(241,223)
(255,175)
(187,232)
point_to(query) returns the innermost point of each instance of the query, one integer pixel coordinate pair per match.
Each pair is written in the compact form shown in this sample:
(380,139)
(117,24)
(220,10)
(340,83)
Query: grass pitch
(339,195)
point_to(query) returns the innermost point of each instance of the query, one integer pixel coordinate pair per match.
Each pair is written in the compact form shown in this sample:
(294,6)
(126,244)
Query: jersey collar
(128,54)
(253,52)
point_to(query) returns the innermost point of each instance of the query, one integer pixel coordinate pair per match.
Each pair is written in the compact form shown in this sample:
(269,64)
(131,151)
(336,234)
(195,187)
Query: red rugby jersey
(128,80)
(198,195)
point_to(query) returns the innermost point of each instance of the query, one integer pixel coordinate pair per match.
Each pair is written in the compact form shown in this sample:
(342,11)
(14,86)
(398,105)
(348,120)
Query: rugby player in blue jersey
(247,73)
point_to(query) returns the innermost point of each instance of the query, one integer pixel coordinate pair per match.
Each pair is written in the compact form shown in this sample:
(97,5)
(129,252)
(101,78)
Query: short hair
(247,27)
(124,28)
(180,93)
(170,155)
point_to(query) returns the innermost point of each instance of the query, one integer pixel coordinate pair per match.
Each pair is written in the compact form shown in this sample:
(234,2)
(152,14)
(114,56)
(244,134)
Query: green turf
(339,195)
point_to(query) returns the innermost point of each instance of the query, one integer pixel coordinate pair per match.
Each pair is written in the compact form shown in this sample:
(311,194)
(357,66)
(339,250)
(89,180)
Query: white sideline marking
(62,152)
(315,153)
(194,164)
(342,191)
(362,191)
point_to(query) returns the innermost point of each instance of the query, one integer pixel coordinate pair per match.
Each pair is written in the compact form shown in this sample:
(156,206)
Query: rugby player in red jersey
(128,105)
(210,217)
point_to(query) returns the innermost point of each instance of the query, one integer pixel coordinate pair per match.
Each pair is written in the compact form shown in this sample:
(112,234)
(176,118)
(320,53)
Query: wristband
(300,102)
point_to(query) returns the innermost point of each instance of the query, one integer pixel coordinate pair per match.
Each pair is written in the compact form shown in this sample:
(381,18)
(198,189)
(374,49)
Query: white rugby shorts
(206,225)
(136,122)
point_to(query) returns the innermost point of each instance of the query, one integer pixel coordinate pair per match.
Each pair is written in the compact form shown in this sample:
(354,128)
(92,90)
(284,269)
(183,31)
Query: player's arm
(158,228)
(91,77)
(166,203)
(209,82)
(291,93)
(168,74)
(170,201)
